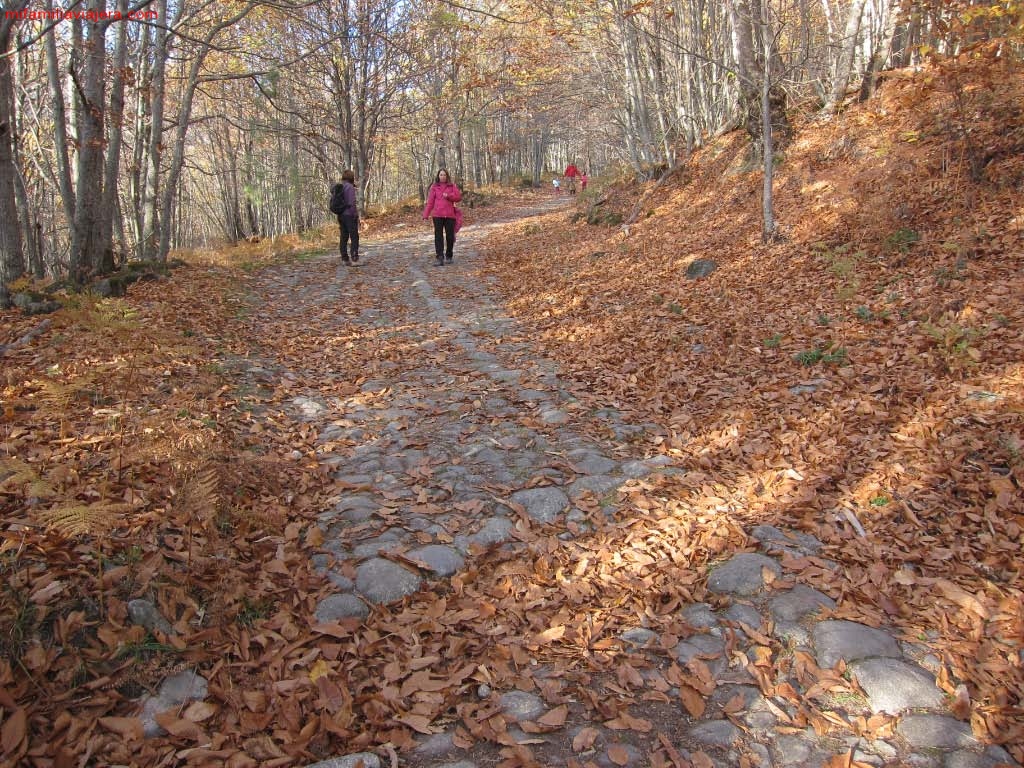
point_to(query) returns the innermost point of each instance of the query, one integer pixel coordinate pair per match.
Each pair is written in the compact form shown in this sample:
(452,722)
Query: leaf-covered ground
(859,380)
(862,379)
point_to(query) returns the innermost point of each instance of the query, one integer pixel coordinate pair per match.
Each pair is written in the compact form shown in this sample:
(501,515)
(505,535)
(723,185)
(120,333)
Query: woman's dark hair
(437,179)
(349,176)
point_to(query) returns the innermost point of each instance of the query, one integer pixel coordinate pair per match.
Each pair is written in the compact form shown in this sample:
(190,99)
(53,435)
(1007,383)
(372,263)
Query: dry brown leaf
(129,728)
(693,701)
(618,754)
(585,739)
(554,718)
(13,731)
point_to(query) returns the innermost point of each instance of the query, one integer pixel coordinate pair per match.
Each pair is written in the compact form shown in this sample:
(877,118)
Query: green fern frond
(84,519)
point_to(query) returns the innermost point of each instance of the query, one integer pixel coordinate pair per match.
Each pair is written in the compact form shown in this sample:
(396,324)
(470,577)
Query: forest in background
(215,121)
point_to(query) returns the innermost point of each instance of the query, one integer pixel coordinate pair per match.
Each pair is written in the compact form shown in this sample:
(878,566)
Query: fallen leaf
(13,731)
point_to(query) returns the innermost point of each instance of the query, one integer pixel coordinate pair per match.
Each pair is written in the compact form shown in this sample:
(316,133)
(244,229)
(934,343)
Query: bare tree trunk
(87,244)
(880,51)
(849,48)
(768,227)
(113,160)
(741,22)
(60,124)
(149,243)
(12,260)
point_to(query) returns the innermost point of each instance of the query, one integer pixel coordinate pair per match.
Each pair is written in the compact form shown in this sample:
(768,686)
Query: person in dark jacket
(441,200)
(348,219)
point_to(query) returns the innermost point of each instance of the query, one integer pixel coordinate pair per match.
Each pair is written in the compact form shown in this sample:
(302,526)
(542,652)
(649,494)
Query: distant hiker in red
(583,182)
(441,207)
(571,173)
(343,205)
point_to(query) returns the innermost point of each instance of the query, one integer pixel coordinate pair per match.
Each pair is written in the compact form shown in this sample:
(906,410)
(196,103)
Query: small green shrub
(901,240)
(773,341)
(809,357)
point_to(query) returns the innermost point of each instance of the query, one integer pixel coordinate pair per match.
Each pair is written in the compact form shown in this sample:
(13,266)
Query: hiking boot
(355,257)
(345,261)
(439,262)
(448,260)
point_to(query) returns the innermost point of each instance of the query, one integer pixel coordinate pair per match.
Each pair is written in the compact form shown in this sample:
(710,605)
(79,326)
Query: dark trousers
(444,227)
(349,231)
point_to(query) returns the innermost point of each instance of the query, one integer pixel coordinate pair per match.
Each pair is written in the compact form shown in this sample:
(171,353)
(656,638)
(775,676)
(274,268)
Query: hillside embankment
(861,378)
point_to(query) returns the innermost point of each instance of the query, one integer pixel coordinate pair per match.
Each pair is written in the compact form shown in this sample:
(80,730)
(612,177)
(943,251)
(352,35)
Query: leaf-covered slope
(861,378)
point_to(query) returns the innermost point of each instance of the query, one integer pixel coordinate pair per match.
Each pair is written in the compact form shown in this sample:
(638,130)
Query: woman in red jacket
(441,206)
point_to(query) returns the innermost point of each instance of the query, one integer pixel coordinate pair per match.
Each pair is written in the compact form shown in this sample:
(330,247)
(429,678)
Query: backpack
(338,199)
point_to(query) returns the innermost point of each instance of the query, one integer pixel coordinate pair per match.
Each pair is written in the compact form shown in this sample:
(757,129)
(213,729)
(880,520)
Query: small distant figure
(343,205)
(571,174)
(557,186)
(583,181)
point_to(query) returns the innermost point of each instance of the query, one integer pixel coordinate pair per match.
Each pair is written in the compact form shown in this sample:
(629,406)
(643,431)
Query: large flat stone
(835,640)
(798,602)
(382,581)
(894,686)
(334,607)
(542,504)
(743,574)
(936,732)
(442,560)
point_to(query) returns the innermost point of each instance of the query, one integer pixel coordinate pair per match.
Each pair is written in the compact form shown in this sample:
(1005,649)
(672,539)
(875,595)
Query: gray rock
(792,633)
(798,602)
(716,733)
(144,614)
(386,542)
(382,581)
(531,395)
(342,582)
(998,754)
(700,268)
(936,732)
(495,530)
(743,613)
(969,760)
(835,640)
(742,574)
(334,607)
(599,485)
(436,746)
(698,645)
(368,760)
(522,705)
(176,690)
(308,407)
(700,616)
(894,686)
(442,560)
(638,636)
(589,463)
(542,504)
(555,416)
